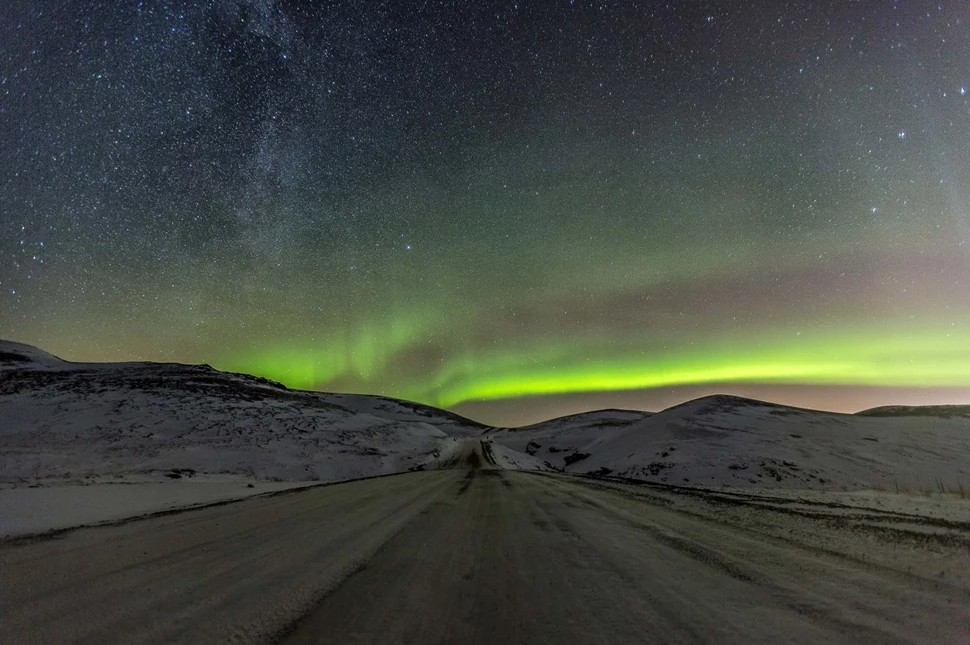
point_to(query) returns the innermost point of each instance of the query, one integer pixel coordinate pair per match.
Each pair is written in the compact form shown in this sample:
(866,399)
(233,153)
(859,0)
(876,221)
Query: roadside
(481,555)
(910,534)
(39,509)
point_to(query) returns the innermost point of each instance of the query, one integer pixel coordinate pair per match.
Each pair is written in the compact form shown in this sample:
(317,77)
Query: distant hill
(608,416)
(727,440)
(939,411)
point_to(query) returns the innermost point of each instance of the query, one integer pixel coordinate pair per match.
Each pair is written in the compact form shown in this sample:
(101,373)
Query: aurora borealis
(484,206)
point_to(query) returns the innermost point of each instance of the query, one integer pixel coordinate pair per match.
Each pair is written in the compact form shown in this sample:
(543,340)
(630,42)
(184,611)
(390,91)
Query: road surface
(468,555)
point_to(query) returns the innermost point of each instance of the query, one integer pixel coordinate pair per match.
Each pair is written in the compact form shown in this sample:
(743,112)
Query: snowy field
(26,510)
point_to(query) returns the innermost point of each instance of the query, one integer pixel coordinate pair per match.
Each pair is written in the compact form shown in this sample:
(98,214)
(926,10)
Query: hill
(725,440)
(65,421)
(76,421)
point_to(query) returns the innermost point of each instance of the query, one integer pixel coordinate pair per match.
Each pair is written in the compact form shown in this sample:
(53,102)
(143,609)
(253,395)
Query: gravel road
(476,554)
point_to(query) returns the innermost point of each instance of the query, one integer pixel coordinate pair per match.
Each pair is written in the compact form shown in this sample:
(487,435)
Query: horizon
(524,411)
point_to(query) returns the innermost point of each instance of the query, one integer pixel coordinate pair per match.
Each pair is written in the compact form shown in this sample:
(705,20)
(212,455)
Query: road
(468,555)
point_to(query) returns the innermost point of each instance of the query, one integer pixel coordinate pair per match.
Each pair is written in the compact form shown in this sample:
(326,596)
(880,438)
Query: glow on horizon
(877,357)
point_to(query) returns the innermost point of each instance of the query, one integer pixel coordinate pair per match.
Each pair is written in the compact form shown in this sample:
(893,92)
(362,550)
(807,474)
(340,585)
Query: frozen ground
(476,554)
(31,510)
(932,505)
(69,422)
(730,441)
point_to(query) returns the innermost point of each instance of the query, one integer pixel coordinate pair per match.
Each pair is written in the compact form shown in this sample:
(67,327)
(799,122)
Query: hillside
(82,422)
(724,440)
(940,411)
(77,421)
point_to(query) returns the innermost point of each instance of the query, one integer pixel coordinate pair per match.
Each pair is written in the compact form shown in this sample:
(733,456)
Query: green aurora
(923,357)
(465,203)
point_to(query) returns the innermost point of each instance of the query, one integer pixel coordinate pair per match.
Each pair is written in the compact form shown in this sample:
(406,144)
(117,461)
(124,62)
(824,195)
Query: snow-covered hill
(723,440)
(78,421)
(71,422)
(941,411)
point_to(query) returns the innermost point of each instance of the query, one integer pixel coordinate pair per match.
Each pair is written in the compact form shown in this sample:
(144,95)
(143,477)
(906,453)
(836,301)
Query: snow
(730,441)
(398,410)
(31,510)
(84,443)
(509,459)
(68,422)
(942,411)
(949,507)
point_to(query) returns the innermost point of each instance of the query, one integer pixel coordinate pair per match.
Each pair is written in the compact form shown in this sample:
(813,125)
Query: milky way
(467,202)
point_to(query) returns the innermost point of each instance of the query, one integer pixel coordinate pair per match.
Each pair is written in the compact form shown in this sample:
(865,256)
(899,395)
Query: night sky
(512,209)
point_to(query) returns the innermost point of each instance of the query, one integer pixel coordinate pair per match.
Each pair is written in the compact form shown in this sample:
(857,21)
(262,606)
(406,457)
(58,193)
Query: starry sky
(511,209)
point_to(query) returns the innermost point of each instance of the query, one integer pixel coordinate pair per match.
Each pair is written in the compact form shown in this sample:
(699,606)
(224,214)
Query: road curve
(469,555)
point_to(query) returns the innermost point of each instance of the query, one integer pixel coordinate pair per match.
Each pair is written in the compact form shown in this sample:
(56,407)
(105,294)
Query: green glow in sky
(892,356)
(856,359)
(459,204)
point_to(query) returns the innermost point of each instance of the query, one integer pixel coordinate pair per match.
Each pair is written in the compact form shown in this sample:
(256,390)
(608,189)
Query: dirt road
(468,555)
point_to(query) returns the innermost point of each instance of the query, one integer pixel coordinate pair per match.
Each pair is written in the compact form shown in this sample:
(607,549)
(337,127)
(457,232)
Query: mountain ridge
(75,421)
